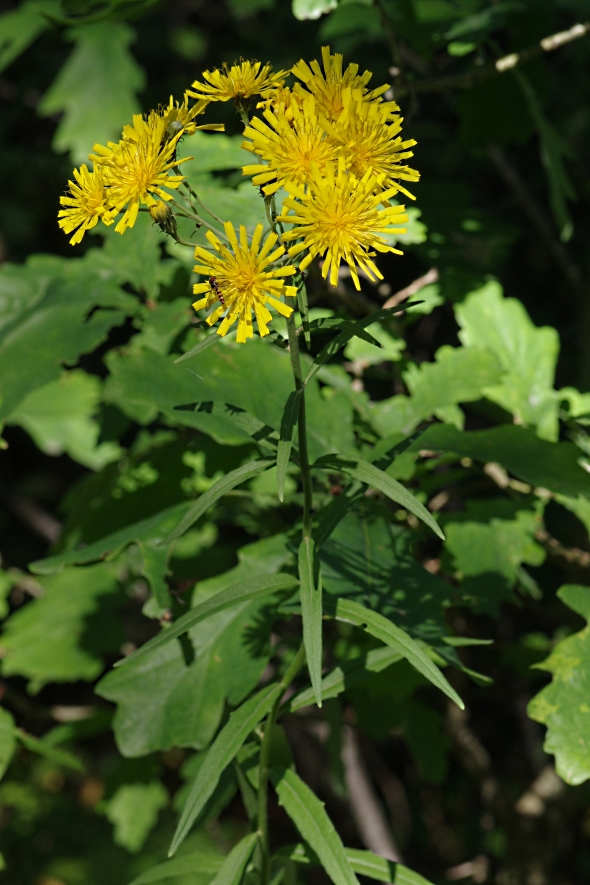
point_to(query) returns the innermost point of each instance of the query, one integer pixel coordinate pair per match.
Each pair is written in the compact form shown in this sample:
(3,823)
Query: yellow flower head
(180,118)
(237,83)
(138,167)
(289,144)
(340,217)
(241,280)
(86,204)
(369,144)
(280,100)
(327,86)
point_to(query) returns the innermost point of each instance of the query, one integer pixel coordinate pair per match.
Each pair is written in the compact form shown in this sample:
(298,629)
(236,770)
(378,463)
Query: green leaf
(311,611)
(245,591)
(62,758)
(527,355)
(96,88)
(7,740)
(552,466)
(234,864)
(368,473)
(215,492)
(387,632)
(335,512)
(309,816)
(350,328)
(364,353)
(263,435)
(21,27)
(227,743)
(195,862)
(212,152)
(204,344)
(363,862)
(59,418)
(347,674)
(133,811)
(41,639)
(312,9)
(563,704)
(288,422)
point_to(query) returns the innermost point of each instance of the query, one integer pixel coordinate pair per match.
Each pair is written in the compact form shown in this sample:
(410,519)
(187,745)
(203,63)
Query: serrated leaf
(563,704)
(133,811)
(245,591)
(311,611)
(224,748)
(387,632)
(215,492)
(96,88)
(346,675)
(7,740)
(195,862)
(234,864)
(309,816)
(288,422)
(21,27)
(368,473)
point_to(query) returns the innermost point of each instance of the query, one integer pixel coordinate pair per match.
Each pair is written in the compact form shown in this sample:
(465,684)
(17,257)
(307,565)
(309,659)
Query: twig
(364,803)
(571,555)
(403,294)
(40,521)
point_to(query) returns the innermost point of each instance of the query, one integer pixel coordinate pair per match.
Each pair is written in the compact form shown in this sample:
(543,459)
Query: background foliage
(99,464)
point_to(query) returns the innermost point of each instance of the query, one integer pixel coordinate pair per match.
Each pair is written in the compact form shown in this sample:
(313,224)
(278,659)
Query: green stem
(301,429)
(264,766)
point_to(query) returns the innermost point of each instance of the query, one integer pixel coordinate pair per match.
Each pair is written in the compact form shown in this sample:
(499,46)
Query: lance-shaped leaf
(372,476)
(195,862)
(311,613)
(62,758)
(386,631)
(235,863)
(352,329)
(222,751)
(309,816)
(364,862)
(221,487)
(288,422)
(203,344)
(261,433)
(346,675)
(336,511)
(245,591)
(304,310)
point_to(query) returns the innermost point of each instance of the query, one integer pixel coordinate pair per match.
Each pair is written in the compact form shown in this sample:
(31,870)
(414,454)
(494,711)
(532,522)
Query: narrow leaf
(220,488)
(58,757)
(288,422)
(387,450)
(202,345)
(304,311)
(336,511)
(352,329)
(311,613)
(235,863)
(386,631)
(309,816)
(222,751)
(196,862)
(370,474)
(346,675)
(245,591)
(364,862)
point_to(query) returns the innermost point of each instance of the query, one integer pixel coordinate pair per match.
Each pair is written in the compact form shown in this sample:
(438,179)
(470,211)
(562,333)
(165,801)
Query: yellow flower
(238,83)
(281,98)
(289,145)
(369,144)
(327,87)
(240,281)
(339,217)
(86,204)
(138,167)
(179,117)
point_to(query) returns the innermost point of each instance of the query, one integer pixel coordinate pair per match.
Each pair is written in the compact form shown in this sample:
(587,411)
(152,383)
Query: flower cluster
(329,141)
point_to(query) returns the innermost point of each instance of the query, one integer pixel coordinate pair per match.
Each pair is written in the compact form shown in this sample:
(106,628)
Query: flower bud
(162,214)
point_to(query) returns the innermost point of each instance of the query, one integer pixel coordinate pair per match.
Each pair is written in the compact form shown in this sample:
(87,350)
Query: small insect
(215,287)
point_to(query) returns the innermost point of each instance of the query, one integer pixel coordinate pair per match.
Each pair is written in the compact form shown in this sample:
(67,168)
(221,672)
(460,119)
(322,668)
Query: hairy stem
(263,768)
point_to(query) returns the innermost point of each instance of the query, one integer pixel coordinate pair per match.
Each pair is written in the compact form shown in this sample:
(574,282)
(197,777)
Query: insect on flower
(215,287)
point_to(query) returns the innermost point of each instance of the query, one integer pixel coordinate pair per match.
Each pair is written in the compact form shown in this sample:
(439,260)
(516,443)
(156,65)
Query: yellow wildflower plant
(369,144)
(289,144)
(237,83)
(340,218)
(327,86)
(179,117)
(86,204)
(242,280)
(138,167)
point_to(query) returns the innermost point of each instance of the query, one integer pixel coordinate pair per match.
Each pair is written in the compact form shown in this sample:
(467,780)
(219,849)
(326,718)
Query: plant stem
(301,429)
(263,767)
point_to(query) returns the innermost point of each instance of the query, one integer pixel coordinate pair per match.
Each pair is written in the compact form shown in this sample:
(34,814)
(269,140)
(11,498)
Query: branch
(571,555)
(500,66)
(412,289)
